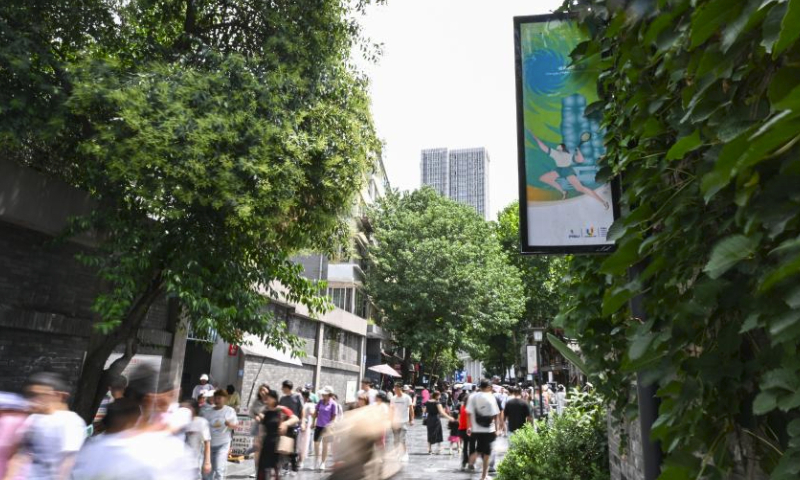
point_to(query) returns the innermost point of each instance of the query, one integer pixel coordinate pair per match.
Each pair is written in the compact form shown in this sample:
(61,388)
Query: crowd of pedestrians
(141,432)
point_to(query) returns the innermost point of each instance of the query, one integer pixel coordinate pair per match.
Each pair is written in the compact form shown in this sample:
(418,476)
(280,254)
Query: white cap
(204,377)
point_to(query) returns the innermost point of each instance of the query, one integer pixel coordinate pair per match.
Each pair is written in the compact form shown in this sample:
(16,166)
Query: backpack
(482,406)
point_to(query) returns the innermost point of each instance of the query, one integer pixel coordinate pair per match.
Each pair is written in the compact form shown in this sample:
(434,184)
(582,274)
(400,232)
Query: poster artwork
(563,205)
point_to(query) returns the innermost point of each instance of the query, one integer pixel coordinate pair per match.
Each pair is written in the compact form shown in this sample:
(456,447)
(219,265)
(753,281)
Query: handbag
(285,445)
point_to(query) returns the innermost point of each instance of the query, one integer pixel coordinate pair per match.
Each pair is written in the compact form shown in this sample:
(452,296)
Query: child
(455,439)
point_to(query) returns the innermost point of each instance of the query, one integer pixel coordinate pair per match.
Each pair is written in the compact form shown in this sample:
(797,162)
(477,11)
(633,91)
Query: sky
(446,79)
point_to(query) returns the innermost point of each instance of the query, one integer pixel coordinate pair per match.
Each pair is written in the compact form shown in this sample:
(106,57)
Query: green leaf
(709,17)
(782,323)
(728,252)
(784,271)
(789,28)
(793,429)
(750,323)
(793,297)
(567,353)
(684,146)
(625,257)
(613,301)
(764,403)
(640,344)
(772,26)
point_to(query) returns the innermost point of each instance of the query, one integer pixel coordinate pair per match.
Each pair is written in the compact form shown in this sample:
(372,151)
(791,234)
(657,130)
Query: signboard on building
(564,206)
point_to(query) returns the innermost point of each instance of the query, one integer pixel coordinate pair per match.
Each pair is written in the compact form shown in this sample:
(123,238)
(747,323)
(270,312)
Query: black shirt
(517,413)
(293,402)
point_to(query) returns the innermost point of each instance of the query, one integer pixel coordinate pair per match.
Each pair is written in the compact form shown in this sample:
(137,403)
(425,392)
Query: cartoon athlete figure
(564,160)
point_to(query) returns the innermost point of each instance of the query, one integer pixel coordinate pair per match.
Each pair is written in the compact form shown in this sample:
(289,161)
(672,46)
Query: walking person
(136,445)
(306,426)
(276,422)
(222,420)
(53,434)
(324,416)
(468,441)
(256,407)
(198,438)
(483,424)
(402,415)
(203,387)
(294,402)
(518,411)
(433,422)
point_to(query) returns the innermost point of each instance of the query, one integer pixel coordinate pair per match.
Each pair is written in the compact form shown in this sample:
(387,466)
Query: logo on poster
(574,233)
(590,232)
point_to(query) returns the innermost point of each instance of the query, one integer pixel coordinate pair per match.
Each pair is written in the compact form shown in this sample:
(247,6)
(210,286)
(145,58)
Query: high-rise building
(461,174)
(436,170)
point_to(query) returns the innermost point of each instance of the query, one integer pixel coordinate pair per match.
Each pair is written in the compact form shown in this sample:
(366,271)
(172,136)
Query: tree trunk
(406,366)
(94,380)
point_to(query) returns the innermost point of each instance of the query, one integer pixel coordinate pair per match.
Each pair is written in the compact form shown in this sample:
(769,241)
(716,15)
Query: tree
(218,137)
(439,276)
(700,101)
(541,277)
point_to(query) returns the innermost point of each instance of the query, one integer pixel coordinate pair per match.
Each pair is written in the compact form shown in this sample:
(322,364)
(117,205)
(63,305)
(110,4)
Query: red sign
(233,350)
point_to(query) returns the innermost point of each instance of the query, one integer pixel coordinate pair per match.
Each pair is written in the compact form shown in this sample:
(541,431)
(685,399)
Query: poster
(242,435)
(350,391)
(564,208)
(533,363)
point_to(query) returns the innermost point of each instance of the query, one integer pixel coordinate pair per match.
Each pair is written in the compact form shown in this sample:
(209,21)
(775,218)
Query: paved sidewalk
(420,466)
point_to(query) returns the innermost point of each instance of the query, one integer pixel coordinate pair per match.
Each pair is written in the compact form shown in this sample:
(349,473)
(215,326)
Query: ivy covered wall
(700,100)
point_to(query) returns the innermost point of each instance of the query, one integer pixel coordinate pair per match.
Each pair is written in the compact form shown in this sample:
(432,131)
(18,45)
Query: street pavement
(420,466)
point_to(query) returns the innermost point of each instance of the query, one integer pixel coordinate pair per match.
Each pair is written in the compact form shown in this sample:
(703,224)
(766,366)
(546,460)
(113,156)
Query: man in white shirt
(53,434)
(402,414)
(222,419)
(203,387)
(367,390)
(483,423)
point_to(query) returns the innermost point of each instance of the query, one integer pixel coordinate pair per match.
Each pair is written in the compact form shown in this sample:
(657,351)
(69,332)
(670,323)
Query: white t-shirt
(197,433)
(198,389)
(49,439)
(308,413)
(484,404)
(563,159)
(400,404)
(130,456)
(220,433)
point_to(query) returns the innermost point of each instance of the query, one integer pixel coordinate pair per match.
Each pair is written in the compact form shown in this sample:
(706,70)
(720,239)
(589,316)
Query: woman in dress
(306,426)
(275,422)
(435,413)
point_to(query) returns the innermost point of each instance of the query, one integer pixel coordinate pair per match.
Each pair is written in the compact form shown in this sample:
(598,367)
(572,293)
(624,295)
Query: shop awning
(258,348)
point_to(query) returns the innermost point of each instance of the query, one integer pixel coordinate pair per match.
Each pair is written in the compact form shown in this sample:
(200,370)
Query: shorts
(399,436)
(319,434)
(565,172)
(484,442)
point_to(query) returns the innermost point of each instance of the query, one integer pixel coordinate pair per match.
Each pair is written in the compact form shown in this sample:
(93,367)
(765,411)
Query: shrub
(570,446)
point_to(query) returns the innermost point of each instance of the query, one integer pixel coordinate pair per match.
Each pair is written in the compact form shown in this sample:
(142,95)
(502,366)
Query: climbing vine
(701,103)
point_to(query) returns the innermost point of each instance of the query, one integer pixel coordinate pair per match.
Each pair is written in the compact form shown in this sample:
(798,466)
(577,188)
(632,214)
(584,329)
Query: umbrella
(385,370)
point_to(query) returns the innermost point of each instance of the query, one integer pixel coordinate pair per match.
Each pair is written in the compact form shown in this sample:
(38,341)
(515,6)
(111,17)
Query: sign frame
(525,247)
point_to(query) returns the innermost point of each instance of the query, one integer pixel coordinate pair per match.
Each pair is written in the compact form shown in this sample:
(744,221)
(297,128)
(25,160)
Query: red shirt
(462,418)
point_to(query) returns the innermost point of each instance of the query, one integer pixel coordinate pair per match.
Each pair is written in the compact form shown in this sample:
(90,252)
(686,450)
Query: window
(342,298)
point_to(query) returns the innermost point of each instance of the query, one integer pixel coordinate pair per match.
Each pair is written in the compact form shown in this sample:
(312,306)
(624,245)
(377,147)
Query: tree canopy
(439,276)
(541,277)
(217,136)
(700,101)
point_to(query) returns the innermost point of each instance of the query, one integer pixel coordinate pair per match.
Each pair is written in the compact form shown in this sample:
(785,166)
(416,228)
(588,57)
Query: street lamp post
(538,336)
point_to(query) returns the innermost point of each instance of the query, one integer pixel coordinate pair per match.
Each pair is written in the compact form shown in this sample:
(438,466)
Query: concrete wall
(46,295)
(273,373)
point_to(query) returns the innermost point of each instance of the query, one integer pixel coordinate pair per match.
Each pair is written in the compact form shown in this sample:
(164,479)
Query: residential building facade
(460,174)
